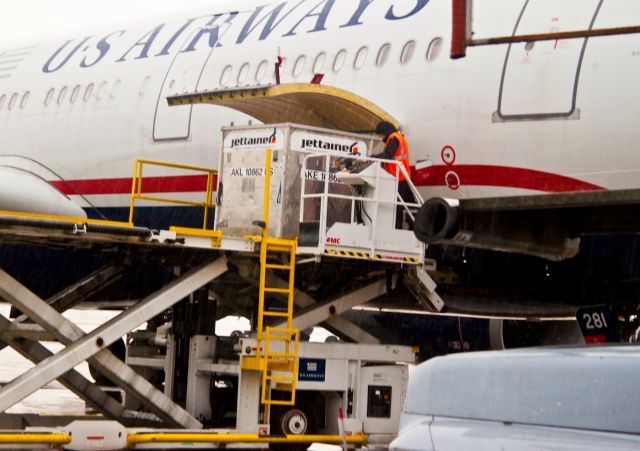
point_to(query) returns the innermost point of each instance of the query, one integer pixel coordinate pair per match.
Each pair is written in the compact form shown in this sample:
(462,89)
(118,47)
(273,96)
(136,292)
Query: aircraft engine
(24,191)
(437,220)
(507,334)
(480,224)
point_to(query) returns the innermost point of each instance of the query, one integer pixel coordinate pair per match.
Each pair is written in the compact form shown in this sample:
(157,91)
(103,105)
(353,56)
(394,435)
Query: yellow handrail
(35,439)
(136,187)
(358,439)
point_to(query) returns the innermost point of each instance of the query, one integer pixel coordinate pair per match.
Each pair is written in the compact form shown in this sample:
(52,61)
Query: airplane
(507,122)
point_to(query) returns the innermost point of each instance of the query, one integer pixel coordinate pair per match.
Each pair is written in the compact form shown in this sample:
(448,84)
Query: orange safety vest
(402,155)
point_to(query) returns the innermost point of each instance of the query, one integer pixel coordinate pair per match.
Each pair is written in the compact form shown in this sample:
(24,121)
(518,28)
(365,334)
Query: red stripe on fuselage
(469,175)
(501,177)
(170,184)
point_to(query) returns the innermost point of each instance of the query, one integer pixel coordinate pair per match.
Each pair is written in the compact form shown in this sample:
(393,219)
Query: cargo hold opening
(301,103)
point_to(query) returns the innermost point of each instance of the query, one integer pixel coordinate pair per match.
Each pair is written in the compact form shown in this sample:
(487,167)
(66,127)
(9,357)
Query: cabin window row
(80,93)
(15,100)
(321,62)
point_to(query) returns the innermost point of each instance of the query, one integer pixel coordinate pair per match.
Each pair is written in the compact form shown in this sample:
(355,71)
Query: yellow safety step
(277,290)
(276,314)
(280,378)
(274,266)
(278,248)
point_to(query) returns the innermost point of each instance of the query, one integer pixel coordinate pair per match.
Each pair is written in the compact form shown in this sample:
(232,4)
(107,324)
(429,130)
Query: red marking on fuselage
(502,177)
(469,175)
(172,184)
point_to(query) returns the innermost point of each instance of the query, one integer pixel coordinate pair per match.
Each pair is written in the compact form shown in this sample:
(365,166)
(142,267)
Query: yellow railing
(358,439)
(78,221)
(26,438)
(137,191)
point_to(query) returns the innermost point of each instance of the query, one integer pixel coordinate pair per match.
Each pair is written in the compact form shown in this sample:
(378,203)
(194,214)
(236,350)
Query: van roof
(593,388)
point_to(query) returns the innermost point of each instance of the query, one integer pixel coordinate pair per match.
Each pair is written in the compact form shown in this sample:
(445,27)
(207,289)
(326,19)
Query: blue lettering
(419,5)
(145,42)
(103,47)
(165,49)
(321,17)
(270,17)
(47,69)
(212,31)
(355,19)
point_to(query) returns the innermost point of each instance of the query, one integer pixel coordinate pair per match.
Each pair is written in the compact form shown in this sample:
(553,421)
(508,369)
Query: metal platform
(208,273)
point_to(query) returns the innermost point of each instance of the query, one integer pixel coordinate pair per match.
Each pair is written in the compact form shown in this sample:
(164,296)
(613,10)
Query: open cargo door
(299,103)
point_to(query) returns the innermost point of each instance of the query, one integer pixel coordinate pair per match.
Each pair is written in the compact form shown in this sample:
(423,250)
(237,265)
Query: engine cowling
(437,220)
(508,334)
(24,191)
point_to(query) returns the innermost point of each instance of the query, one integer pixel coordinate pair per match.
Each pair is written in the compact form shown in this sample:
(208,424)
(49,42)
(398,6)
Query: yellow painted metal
(136,187)
(250,363)
(35,439)
(79,221)
(270,361)
(358,439)
(301,103)
(215,235)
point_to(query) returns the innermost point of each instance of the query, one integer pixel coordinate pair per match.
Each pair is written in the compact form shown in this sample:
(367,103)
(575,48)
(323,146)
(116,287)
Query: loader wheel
(294,422)
(297,420)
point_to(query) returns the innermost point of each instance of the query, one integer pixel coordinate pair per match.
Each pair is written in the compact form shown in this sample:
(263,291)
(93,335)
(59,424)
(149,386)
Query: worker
(396,149)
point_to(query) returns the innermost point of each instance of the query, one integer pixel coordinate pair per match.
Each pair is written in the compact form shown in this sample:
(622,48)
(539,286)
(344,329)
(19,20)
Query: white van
(582,398)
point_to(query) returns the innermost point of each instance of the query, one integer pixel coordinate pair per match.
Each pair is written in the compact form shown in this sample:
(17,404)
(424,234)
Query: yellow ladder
(277,347)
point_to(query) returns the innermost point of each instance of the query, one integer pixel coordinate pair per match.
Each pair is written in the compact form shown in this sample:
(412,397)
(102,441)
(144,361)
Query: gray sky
(25,19)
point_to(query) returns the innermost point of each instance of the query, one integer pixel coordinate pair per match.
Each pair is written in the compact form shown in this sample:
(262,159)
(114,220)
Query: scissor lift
(309,213)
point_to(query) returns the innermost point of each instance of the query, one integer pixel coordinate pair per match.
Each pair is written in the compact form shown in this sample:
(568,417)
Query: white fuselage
(552,117)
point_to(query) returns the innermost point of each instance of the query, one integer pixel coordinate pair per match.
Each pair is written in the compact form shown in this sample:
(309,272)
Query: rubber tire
(280,427)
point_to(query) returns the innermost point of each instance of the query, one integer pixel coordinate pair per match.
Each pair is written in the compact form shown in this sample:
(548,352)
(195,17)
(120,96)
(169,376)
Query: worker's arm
(389,151)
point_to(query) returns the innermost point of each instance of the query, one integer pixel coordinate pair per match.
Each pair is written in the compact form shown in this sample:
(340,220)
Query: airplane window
(407,52)
(101,89)
(47,99)
(383,55)
(361,57)
(25,99)
(88,91)
(172,84)
(74,94)
(2,99)
(226,74)
(13,100)
(115,89)
(338,62)
(433,51)
(261,71)
(318,64)
(299,66)
(243,72)
(145,85)
(62,94)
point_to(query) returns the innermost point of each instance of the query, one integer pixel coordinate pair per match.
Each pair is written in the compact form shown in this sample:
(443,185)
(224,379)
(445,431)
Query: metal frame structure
(272,364)
(367,247)
(136,187)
